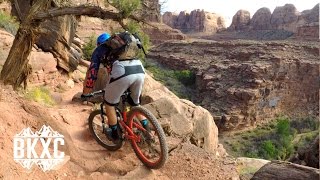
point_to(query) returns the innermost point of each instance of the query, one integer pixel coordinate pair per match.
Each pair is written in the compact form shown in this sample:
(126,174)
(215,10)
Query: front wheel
(151,147)
(96,129)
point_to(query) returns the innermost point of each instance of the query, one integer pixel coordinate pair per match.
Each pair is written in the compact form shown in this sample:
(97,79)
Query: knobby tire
(159,131)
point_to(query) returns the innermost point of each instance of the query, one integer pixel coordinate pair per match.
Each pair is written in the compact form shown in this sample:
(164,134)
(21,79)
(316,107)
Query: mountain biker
(125,74)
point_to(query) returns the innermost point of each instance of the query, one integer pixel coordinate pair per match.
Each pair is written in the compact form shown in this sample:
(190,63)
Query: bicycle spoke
(97,130)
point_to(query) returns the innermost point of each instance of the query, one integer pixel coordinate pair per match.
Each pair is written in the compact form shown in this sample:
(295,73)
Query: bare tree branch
(92,11)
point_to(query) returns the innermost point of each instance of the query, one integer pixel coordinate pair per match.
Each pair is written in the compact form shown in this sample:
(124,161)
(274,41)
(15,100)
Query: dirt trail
(87,159)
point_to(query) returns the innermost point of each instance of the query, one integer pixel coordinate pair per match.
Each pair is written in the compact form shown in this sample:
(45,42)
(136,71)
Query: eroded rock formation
(284,18)
(248,83)
(161,33)
(240,20)
(195,21)
(309,23)
(261,19)
(151,10)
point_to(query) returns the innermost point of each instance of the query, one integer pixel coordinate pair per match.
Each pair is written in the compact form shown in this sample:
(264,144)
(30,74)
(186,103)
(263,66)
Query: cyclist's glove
(85,97)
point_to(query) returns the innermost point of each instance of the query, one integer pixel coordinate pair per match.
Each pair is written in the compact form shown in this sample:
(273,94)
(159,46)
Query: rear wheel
(96,129)
(151,147)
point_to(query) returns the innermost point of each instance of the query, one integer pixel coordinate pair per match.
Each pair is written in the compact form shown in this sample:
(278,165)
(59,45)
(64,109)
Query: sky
(228,8)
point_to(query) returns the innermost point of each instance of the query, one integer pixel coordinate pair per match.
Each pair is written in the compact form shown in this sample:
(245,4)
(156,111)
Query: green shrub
(179,82)
(187,77)
(268,149)
(41,95)
(126,7)
(8,23)
(307,124)
(89,47)
(274,141)
(283,126)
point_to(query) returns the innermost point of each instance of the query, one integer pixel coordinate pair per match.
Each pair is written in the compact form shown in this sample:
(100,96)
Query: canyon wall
(247,83)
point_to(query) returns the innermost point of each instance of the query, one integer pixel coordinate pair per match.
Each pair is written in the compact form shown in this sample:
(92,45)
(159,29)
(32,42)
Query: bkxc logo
(26,145)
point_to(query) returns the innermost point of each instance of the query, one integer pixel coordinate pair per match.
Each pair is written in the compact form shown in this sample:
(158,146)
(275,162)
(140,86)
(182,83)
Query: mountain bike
(149,144)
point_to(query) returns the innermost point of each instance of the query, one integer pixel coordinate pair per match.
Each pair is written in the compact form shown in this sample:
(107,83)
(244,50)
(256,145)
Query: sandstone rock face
(181,118)
(6,40)
(240,20)
(196,21)
(285,17)
(261,19)
(59,41)
(244,83)
(308,31)
(5,7)
(44,68)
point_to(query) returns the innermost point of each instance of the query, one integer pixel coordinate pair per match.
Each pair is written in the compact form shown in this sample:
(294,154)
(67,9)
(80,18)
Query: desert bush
(126,7)
(89,47)
(283,126)
(275,141)
(41,95)
(186,77)
(306,124)
(268,149)
(179,82)
(8,23)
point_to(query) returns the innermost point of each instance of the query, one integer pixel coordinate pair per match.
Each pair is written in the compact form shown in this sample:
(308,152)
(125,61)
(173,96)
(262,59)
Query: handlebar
(93,94)
(101,92)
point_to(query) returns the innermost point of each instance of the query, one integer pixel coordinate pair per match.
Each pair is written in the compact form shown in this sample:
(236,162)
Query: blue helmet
(103,38)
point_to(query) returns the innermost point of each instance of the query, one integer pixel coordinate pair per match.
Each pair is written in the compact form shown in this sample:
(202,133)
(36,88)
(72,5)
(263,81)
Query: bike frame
(129,134)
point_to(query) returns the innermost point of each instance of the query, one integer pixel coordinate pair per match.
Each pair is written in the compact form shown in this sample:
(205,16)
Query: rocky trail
(85,159)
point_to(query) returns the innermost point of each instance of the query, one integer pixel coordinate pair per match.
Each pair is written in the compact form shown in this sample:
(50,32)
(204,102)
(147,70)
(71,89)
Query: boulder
(183,119)
(42,61)
(309,155)
(154,90)
(240,21)
(180,118)
(248,166)
(261,19)
(283,170)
